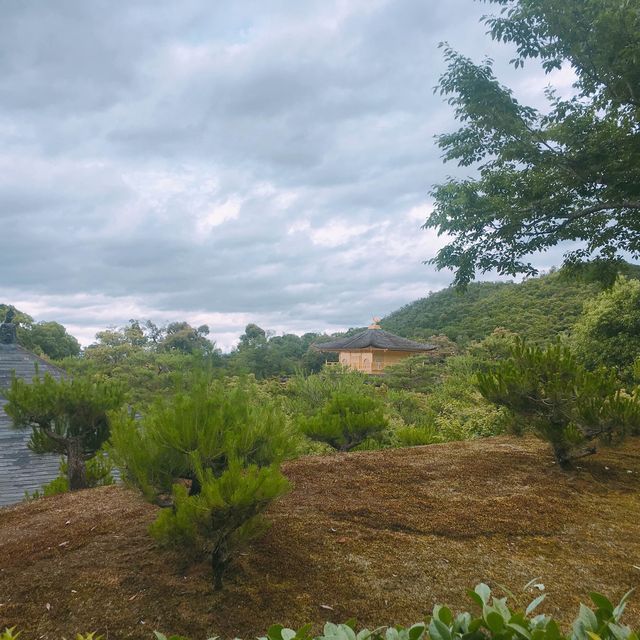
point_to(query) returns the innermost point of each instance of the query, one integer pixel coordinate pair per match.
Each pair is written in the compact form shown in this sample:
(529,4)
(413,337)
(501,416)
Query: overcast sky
(261,161)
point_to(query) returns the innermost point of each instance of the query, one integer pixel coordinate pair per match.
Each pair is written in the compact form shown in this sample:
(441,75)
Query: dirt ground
(379,536)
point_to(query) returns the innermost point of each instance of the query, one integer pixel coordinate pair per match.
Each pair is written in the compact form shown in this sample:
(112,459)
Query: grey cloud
(193,159)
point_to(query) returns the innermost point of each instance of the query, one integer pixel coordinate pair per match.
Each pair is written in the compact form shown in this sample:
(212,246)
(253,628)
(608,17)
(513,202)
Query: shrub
(417,436)
(226,513)
(495,621)
(459,411)
(548,391)
(306,395)
(410,407)
(216,449)
(346,421)
(99,474)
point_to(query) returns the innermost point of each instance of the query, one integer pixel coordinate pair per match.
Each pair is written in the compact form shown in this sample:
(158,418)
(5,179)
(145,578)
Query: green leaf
(274,632)
(415,632)
(475,597)
(500,605)
(304,632)
(601,602)
(619,610)
(619,632)
(588,618)
(443,614)
(483,591)
(520,630)
(439,630)
(494,621)
(553,631)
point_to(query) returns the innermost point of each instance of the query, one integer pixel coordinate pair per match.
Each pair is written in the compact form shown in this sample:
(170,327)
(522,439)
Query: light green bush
(216,449)
(99,474)
(416,436)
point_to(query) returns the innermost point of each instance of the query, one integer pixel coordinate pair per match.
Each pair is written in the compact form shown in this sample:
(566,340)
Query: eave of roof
(374,339)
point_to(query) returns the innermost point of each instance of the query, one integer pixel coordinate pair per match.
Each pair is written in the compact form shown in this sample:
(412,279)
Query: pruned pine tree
(211,454)
(548,391)
(346,421)
(68,417)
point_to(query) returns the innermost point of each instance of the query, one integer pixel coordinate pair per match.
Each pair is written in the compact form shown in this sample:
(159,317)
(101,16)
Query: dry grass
(380,536)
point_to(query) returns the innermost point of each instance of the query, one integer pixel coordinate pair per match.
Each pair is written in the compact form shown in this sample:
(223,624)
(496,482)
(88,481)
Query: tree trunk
(219,563)
(76,466)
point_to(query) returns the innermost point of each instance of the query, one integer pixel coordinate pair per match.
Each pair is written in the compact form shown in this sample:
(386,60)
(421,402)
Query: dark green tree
(50,339)
(68,417)
(181,336)
(550,392)
(569,173)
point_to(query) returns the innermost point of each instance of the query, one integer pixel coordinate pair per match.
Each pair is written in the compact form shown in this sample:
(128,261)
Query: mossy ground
(379,536)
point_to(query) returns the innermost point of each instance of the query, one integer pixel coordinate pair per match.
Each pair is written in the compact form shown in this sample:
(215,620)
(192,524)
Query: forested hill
(537,308)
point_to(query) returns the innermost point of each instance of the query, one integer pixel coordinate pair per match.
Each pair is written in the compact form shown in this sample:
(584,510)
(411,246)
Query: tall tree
(569,173)
(44,338)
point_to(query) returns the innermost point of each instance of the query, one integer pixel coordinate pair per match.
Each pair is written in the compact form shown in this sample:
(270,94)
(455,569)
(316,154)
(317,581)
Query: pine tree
(68,417)
(549,391)
(346,421)
(217,450)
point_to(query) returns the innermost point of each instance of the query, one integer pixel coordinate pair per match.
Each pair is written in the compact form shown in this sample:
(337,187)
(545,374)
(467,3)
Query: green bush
(347,421)
(223,516)
(211,453)
(99,474)
(459,410)
(306,395)
(548,391)
(416,436)
(495,620)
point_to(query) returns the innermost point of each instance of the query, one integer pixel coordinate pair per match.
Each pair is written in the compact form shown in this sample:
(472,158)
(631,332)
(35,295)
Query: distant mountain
(537,308)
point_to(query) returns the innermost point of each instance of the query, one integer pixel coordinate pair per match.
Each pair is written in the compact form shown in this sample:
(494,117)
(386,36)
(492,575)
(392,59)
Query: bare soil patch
(379,536)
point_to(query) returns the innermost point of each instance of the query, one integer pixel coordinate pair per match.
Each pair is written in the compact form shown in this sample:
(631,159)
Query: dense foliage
(608,332)
(569,173)
(549,391)
(346,421)
(217,449)
(494,620)
(42,338)
(68,417)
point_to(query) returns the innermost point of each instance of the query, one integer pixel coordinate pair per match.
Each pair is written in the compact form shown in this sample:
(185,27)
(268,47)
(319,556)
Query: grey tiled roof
(374,339)
(20,469)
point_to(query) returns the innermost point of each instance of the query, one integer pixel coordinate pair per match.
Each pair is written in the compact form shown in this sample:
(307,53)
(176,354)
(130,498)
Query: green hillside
(538,308)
